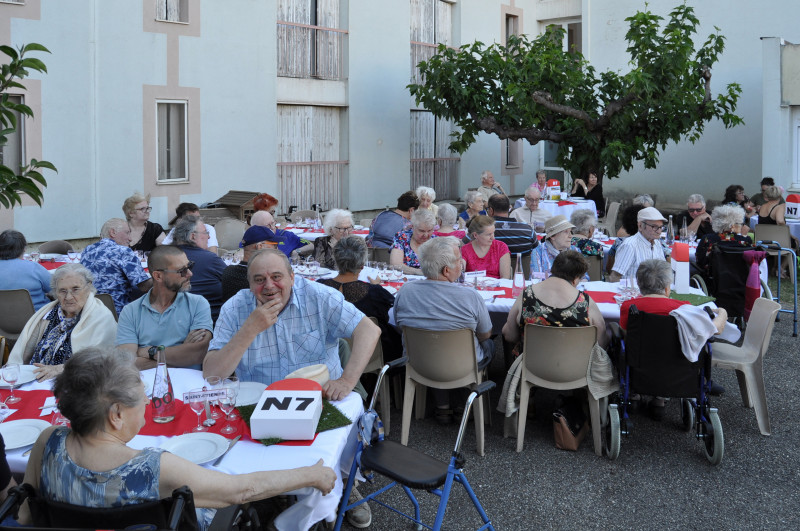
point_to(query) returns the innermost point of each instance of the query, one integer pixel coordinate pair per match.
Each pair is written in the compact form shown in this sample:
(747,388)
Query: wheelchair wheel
(687,414)
(611,433)
(714,439)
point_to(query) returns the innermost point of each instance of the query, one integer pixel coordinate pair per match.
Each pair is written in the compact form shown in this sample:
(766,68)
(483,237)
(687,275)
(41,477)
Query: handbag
(570,426)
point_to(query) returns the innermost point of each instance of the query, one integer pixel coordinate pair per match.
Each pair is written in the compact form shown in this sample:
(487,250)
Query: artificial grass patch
(330,419)
(691,298)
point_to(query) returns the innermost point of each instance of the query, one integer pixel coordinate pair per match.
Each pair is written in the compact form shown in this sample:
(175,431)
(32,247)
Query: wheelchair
(650,361)
(409,468)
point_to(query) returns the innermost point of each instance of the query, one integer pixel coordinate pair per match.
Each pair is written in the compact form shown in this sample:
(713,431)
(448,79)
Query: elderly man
(697,219)
(437,303)
(489,186)
(284,323)
(116,268)
(288,242)
(167,315)
(644,245)
(519,237)
(390,222)
(530,213)
(234,278)
(191,237)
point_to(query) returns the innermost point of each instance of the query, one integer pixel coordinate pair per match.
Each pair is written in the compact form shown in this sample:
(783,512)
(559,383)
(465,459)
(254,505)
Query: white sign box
(292,415)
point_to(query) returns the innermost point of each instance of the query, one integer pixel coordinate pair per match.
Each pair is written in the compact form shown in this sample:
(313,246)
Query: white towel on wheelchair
(695,327)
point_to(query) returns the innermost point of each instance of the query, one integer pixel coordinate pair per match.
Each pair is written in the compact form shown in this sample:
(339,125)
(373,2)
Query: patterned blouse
(536,312)
(402,241)
(55,346)
(587,247)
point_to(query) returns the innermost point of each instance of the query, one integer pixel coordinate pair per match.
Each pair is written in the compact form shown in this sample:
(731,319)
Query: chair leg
(522,417)
(420,402)
(597,433)
(743,389)
(478,417)
(408,404)
(386,401)
(397,391)
(758,396)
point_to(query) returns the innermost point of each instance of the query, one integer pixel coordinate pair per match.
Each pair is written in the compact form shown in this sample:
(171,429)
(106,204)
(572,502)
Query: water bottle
(685,232)
(163,397)
(670,232)
(519,278)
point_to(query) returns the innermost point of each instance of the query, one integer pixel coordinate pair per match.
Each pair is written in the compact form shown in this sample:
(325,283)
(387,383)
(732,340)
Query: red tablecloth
(51,265)
(602,296)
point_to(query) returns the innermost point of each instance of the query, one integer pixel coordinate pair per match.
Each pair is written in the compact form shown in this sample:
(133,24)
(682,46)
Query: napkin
(5,413)
(49,406)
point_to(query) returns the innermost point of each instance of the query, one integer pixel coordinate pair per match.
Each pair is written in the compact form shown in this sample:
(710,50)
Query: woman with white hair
(475,202)
(427,196)
(726,222)
(448,221)
(585,223)
(338,224)
(558,238)
(407,242)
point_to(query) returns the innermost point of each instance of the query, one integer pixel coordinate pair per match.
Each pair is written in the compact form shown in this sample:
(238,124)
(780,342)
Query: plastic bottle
(519,278)
(670,232)
(163,397)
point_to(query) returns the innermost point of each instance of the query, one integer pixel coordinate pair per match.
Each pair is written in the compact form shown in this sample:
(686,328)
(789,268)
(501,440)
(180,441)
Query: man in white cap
(644,245)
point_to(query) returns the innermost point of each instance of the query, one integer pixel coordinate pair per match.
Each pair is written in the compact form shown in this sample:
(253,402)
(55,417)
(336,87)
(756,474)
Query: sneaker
(361,516)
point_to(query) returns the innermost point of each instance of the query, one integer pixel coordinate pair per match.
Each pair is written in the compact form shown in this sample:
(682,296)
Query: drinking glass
(213,382)
(228,258)
(11,375)
(233,383)
(197,404)
(58,419)
(35,257)
(227,405)
(72,255)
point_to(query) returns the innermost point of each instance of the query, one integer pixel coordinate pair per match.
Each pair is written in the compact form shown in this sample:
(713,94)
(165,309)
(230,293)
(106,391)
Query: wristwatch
(152,352)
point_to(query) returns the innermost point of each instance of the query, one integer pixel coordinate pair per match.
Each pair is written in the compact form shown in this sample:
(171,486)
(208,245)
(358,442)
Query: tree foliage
(535,90)
(27,179)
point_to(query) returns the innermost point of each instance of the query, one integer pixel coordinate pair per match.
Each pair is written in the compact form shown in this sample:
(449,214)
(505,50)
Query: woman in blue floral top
(585,221)
(406,242)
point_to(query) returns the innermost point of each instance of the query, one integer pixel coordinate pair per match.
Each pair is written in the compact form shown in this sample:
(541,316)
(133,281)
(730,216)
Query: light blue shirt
(307,332)
(22,274)
(141,324)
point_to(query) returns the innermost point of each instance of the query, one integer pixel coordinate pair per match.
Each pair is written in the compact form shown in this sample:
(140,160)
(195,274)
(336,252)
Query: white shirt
(635,250)
(524,215)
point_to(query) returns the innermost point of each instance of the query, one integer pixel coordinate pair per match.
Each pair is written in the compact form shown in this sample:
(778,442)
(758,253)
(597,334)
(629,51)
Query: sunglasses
(184,271)
(697,210)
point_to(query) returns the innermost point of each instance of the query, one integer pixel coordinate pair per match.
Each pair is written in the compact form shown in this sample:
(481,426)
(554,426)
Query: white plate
(25,376)
(296,231)
(199,448)
(249,393)
(22,432)
(322,271)
(390,289)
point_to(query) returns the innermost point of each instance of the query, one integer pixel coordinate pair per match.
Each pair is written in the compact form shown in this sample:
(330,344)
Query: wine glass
(213,382)
(233,383)
(35,257)
(72,255)
(227,404)
(197,404)
(11,375)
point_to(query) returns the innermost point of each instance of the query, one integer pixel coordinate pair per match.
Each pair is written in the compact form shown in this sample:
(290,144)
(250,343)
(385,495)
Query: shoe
(361,516)
(444,416)
(716,389)
(656,411)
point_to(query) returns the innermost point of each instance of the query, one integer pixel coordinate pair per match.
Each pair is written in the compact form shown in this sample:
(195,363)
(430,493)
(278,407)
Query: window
(431,24)
(310,45)
(171,140)
(432,162)
(12,155)
(172,10)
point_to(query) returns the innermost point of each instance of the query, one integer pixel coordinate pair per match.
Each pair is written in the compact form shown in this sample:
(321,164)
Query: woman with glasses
(338,224)
(75,320)
(558,231)
(145,234)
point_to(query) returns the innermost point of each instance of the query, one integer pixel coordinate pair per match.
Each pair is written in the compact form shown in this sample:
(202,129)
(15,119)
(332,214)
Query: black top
(148,240)
(703,253)
(702,231)
(5,471)
(234,279)
(206,276)
(596,195)
(767,220)
(323,252)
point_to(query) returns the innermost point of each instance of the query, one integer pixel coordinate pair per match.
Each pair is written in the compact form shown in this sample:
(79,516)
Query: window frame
(185,104)
(183,12)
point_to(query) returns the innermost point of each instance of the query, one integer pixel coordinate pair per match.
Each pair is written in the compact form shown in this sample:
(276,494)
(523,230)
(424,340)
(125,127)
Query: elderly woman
(726,222)
(407,242)
(475,202)
(427,196)
(585,223)
(484,252)
(590,189)
(350,254)
(654,278)
(448,222)
(145,234)
(76,320)
(18,273)
(558,238)
(190,209)
(89,464)
(338,224)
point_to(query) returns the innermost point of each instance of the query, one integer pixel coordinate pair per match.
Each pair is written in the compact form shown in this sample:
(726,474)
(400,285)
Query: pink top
(490,262)
(456,233)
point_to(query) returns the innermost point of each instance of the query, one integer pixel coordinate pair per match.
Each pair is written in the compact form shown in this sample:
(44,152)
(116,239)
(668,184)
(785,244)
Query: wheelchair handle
(488,385)
(399,362)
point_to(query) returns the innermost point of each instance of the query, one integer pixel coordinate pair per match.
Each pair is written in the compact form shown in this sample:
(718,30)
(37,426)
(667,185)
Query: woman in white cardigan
(74,321)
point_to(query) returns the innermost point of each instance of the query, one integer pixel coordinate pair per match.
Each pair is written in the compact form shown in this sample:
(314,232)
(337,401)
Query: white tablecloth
(565,210)
(335,447)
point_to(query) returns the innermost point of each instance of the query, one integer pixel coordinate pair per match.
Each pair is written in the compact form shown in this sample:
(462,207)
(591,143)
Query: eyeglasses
(204,232)
(344,229)
(654,227)
(62,293)
(145,209)
(696,210)
(184,271)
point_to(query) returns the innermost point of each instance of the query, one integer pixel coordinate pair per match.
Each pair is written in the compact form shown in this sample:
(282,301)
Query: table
(312,234)
(565,210)
(335,447)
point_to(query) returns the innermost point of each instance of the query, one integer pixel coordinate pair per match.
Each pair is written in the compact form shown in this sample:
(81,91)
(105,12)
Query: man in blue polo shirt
(167,315)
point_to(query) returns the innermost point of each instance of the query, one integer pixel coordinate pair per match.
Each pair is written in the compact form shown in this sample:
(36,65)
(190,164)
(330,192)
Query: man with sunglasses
(697,219)
(644,245)
(191,237)
(167,315)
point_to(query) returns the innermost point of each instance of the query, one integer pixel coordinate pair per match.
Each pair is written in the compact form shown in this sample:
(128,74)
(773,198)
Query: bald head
(262,218)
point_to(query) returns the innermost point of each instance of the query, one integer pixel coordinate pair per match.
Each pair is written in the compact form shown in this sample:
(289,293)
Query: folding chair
(409,468)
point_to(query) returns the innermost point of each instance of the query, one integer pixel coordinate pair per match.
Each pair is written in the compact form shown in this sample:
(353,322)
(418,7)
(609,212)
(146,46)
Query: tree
(28,178)
(535,90)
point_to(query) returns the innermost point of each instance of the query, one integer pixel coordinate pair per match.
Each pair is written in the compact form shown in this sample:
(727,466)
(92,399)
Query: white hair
(433,255)
(426,191)
(333,216)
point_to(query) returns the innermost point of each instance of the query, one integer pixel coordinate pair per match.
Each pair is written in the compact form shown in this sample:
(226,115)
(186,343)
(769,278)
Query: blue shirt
(384,227)
(465,216)
(22,274)
(206,275)
(141,324)
(307,332)
(116,269)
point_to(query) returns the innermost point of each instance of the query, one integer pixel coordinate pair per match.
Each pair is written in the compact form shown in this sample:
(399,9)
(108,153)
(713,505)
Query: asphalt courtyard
(661,479)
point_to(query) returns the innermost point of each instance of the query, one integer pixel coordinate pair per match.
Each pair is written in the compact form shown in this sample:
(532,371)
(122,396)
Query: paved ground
(661,480)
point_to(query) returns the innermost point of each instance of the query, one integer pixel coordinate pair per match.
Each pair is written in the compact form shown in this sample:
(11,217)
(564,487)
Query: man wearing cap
(644,245)
(234,277)
(759,199)
(489,186)
(530,212)
(167,315)
(519,237)
(697,219)
(288,242)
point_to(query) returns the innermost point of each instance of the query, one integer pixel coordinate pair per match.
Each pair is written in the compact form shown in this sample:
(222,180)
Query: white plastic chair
(747,360)
(557,358)
(374,365)
(230,232)
(442,360)
(299,216)
(609,222)
(783,237)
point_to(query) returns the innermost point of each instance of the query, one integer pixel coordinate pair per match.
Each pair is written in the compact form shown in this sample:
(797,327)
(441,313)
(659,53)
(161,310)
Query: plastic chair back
(55,246)
(16,307)
(595,267)
(609,222)
(365,222)
(301,215)
(776,233)
(760,325)
(108,301)
(443,359)
(230,232)
(557,357)
(380,254)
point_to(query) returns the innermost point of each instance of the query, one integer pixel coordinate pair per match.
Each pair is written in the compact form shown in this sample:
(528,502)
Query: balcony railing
(307,51)
(441,174)
(307,183)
